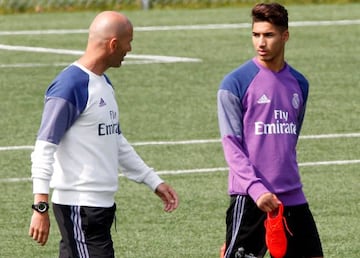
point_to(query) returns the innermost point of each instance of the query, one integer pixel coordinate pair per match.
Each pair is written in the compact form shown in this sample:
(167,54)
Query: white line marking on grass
(7,148)
(31,65)
(207,170)
(176,142)
(329,136)
(182,27)
(43,32)
(243,25)
(141,58)
(15,180)
(41,50)
(324,23)
(326,163)
(138,62)
(205,141)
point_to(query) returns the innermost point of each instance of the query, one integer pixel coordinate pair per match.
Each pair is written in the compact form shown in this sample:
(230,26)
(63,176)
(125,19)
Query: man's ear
(286,35)
(113,44)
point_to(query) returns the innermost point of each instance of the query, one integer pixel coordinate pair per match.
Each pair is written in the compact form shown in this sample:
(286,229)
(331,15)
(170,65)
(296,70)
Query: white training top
(80,146)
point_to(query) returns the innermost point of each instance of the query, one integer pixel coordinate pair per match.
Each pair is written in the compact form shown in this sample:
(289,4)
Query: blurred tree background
(30,6)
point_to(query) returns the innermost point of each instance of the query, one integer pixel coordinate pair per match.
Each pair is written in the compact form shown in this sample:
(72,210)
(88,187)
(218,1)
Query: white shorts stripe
(237,217)
(79,236)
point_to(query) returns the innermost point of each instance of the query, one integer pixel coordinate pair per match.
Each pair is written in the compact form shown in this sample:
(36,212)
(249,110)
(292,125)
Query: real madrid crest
(295,101)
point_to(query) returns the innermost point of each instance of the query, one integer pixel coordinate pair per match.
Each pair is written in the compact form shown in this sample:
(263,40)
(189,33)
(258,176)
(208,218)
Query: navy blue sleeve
(71,85)
(304,86)
(238,81)
(303,83)
(65,100)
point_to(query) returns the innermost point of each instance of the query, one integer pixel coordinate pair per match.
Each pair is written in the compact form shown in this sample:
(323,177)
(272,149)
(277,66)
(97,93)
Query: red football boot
(275,236)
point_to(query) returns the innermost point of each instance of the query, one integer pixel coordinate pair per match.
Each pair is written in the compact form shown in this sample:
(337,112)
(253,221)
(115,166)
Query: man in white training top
(80,148)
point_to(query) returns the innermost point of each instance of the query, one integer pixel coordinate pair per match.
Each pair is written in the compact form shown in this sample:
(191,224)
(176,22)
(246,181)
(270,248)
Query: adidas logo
(263,100)
(102,102)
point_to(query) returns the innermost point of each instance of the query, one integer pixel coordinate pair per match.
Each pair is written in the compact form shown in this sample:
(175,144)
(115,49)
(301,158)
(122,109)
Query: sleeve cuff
(40,186)
(256,190)
(152,180)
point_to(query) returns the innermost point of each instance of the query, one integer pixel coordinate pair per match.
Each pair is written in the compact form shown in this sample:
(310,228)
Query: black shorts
(85,231)
(245,229)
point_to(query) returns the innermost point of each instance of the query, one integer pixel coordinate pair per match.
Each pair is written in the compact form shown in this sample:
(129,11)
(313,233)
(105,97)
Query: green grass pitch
(177,102)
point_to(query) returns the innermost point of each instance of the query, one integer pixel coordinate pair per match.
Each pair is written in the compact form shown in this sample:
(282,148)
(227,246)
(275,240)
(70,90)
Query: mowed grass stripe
(209,170)
(183,27)
(205,141)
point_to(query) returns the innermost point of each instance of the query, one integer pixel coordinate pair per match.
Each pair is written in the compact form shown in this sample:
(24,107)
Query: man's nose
(262,41)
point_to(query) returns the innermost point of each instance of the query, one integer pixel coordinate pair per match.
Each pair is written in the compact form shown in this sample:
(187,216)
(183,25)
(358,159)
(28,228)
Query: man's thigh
(245,227)
(85,231)
(305,240)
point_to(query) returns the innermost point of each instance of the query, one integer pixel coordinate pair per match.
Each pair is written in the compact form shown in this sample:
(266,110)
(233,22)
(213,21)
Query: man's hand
(268,202)
(40,227)
(168,196)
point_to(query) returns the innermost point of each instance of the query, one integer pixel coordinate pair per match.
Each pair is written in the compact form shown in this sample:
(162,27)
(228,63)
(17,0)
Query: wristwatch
(40,207)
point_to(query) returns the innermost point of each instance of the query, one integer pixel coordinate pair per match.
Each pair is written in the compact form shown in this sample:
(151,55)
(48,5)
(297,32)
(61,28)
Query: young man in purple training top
(261,107)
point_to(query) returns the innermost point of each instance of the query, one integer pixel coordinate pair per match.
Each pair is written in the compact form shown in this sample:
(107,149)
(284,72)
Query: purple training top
(260,115)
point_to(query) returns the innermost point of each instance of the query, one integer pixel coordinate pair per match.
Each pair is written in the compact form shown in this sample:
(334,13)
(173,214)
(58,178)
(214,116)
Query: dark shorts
(245,228)
(85,231)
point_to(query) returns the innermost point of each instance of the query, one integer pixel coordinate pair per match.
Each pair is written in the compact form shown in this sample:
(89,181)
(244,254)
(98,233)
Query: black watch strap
(41,207)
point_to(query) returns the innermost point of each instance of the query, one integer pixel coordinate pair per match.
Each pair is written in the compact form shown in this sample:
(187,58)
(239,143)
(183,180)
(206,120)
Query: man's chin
(263,57)
(116,65)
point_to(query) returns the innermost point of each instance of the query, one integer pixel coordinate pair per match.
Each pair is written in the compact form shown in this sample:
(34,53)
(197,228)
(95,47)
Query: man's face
(269,41)
(122,47)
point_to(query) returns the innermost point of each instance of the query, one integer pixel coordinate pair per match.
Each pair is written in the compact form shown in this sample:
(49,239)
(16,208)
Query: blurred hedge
(20,6)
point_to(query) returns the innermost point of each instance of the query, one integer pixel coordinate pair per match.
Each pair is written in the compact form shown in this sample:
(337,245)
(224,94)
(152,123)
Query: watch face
(42,207)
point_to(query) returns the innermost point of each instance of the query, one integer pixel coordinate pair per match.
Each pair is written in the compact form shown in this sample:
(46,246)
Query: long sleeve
(58,116)
(243,178)
(133,167)
(42,159)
